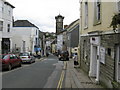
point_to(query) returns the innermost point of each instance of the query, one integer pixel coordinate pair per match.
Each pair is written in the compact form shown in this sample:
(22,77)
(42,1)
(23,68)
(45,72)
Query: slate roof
(9,4)
(23,23)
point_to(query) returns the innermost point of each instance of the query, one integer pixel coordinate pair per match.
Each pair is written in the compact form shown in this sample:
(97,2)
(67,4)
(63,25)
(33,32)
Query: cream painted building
(99,43)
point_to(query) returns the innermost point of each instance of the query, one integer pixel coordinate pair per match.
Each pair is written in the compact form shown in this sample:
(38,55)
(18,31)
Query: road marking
(60,81)
(62,76)
(65,65)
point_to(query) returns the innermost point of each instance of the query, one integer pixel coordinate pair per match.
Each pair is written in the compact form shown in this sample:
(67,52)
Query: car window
(24,54)
(11,57)
(5,57)
(14,56)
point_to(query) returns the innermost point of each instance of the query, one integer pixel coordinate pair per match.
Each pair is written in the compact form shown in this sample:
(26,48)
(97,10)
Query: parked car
(9,61)
(64,56)
(27,57)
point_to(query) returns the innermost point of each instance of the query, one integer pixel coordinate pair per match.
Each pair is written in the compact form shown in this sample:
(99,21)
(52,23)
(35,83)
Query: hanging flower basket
(115,21)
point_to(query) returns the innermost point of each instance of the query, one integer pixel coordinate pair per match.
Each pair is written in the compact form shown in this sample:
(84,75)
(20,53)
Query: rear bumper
(26,61)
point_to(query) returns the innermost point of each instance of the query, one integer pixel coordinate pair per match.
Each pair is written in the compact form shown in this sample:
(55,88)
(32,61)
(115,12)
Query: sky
(42,12)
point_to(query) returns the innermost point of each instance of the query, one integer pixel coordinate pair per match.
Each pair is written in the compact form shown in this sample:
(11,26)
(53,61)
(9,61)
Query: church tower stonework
(59,23)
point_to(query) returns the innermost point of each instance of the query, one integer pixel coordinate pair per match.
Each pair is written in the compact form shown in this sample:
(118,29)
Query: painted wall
(59,41)
(27,34)
(104,24)
(6,13)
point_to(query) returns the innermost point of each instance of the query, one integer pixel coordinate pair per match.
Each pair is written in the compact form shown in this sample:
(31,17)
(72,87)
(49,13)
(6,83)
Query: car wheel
(30,62)
(20,64)
(9,67)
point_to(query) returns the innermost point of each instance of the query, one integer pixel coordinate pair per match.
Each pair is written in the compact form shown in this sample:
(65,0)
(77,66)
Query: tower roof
(59,16)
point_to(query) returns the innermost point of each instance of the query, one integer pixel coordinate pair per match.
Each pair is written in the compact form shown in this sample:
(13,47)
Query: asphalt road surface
(41,74)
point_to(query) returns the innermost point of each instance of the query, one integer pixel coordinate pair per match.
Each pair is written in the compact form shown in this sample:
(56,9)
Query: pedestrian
(75,58)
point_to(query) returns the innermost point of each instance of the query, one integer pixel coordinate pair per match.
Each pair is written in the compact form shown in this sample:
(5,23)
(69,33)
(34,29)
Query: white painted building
(59,42)
(6,18)
(25,36)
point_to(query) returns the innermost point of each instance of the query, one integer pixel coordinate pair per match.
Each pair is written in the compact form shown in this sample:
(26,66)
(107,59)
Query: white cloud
(42,12)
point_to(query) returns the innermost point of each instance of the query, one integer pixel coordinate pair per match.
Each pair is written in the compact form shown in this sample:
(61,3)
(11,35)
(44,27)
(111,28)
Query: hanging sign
(102,55)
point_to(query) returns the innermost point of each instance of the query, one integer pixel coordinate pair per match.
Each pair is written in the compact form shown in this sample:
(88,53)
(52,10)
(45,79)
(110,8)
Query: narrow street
(44,73)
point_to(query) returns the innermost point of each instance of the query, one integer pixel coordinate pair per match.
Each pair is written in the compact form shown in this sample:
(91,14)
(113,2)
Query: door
(94,58)
(13,60)
(118,63)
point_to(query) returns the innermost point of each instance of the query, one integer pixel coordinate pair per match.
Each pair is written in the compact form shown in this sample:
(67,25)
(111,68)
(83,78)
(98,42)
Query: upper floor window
(119,6)
(8,28)
(36,32)
(1,25)
(86,15)
(2,9)
(9,12)
(97,12)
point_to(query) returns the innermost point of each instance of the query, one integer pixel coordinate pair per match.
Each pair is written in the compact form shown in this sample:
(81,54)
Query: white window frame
(97,11)
(98,5)
(1,26)
(8,27)
(86,15)
(118,6)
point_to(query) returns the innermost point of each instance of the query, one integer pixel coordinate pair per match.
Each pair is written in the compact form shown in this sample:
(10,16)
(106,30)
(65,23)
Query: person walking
(75,58)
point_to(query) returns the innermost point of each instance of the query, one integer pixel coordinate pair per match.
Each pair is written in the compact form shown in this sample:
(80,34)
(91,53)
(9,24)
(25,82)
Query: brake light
(28,56)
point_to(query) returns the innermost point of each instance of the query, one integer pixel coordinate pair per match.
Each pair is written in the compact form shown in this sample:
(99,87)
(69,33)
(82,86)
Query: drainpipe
(80,25)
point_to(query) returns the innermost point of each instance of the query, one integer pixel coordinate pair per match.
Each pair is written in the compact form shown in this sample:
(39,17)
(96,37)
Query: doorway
(94,58)
(118,63)
(93,62)
(5,45)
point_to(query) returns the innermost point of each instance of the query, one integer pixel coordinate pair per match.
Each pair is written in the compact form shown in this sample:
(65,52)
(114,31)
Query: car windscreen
(24,54)
(5,56)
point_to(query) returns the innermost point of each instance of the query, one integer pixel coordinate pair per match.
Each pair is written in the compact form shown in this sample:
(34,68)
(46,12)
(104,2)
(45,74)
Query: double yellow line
(61,77)
(61,80)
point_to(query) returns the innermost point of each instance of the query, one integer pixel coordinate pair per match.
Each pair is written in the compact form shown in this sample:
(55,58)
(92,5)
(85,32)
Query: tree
(115,21)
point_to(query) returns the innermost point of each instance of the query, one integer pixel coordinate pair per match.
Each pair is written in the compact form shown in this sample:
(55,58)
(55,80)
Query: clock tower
(59,23)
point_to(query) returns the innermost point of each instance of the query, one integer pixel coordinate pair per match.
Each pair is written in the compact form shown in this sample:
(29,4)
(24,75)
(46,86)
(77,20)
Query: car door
(13,60)
(16,60)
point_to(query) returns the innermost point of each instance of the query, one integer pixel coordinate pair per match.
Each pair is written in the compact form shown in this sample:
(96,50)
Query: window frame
(1,26)
(86,15)
(97,13)
(118,6)
(8,27)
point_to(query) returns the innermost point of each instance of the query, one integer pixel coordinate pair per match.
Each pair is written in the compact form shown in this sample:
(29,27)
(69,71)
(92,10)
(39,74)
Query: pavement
(77,78)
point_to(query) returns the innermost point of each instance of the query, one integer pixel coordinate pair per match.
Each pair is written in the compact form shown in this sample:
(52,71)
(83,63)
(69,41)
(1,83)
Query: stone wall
(85,59)
(107,70)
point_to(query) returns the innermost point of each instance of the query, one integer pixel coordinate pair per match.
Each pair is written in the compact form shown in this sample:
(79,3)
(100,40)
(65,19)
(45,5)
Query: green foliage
(115,21)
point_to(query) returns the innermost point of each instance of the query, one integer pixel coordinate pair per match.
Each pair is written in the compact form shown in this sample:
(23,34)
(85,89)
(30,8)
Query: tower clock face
(59,20)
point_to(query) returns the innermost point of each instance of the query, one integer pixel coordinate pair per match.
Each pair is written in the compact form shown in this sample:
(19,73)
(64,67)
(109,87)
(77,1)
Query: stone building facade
(99,43)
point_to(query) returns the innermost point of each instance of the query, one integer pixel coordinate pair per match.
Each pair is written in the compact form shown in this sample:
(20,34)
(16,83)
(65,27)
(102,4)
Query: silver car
(27,57)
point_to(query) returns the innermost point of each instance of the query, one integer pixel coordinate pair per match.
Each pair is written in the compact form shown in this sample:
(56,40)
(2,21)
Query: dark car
(9,61)
(64,56)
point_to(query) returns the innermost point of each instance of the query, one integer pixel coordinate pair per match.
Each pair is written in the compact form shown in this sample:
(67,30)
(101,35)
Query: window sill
(97,23)
(85,27)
